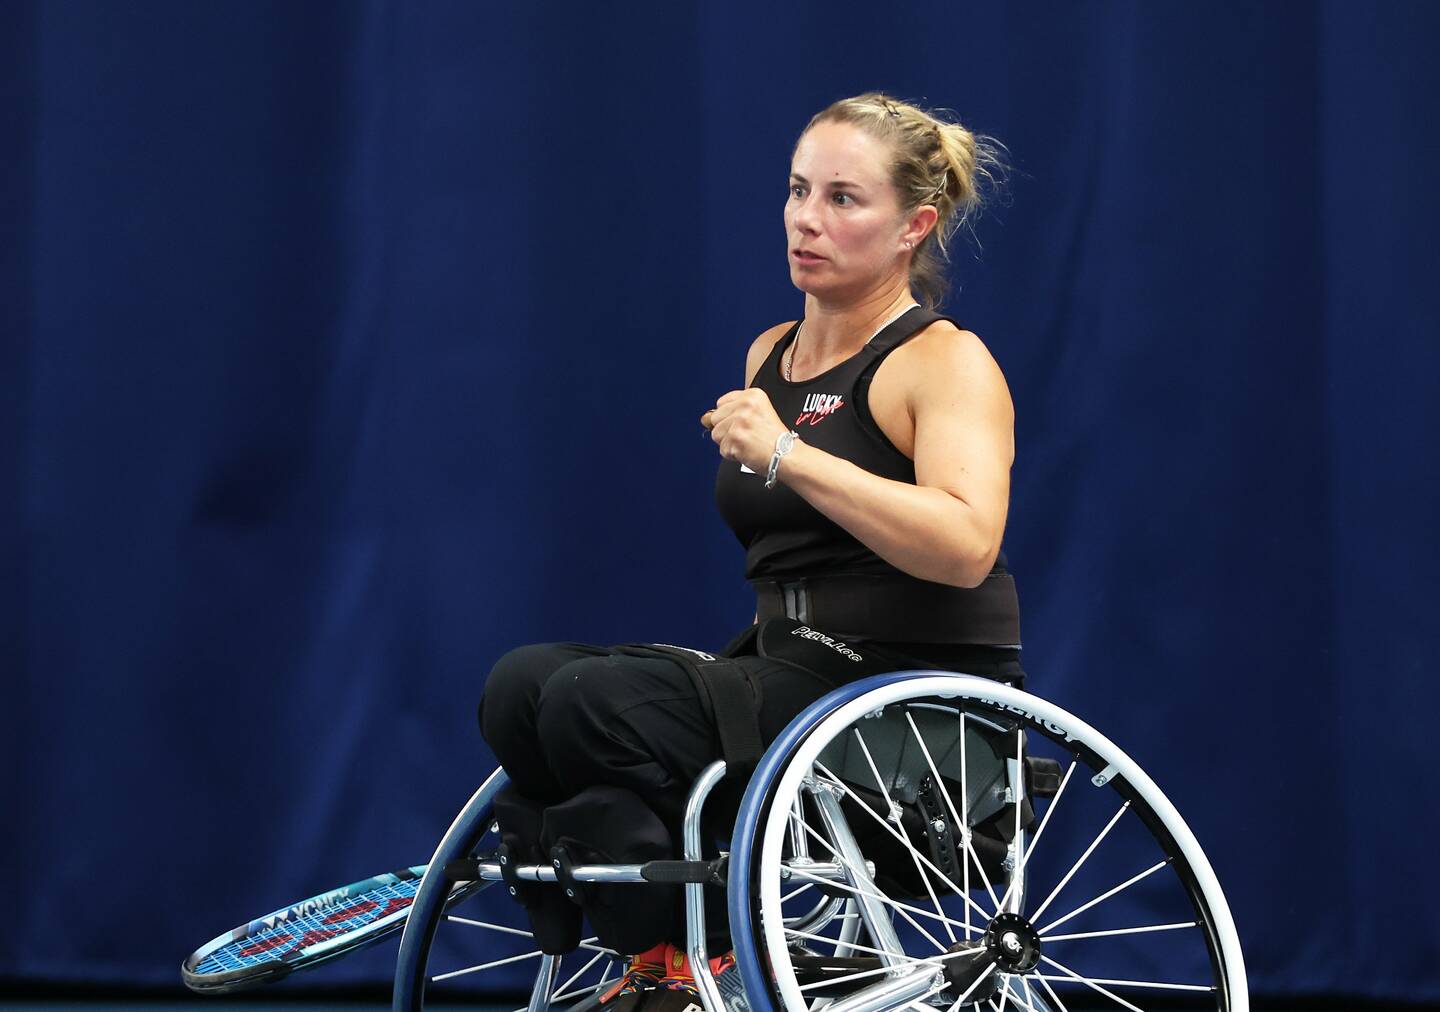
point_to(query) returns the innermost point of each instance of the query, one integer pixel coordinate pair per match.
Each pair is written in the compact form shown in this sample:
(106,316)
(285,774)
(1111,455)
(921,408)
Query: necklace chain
(790,362)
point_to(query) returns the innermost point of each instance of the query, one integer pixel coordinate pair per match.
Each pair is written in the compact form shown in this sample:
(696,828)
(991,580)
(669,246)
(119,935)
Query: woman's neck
(837,330)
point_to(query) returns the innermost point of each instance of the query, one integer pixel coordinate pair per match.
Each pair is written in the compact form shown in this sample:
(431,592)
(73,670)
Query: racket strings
(294,934)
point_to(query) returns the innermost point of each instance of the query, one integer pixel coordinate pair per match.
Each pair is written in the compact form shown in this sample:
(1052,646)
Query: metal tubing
(872,911)
(820,915)
(623,873)
(799,844)
(889,993)
(849,929)
(544,984)
(695,892)
(1016,889)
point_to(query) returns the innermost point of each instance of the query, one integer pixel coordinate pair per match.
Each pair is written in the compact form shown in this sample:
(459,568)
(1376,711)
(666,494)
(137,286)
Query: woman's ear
(919,226)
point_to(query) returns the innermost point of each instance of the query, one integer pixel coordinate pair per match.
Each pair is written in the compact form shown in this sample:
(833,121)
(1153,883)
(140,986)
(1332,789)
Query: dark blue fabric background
(347,345)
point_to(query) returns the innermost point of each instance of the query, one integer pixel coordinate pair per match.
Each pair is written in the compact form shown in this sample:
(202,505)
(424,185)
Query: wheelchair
(916,840)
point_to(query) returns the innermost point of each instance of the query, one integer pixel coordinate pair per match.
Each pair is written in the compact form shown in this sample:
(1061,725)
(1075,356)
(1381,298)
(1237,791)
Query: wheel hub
(1010,945)
(1013,943)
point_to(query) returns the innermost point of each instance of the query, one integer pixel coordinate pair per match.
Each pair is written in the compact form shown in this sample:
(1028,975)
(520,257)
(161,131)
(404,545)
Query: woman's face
(844,230)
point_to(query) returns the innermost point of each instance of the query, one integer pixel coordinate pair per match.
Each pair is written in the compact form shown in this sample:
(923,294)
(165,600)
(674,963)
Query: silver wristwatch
(783,445)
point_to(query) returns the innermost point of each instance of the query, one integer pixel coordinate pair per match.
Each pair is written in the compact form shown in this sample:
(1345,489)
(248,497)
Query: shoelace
(643,973)
(679,976)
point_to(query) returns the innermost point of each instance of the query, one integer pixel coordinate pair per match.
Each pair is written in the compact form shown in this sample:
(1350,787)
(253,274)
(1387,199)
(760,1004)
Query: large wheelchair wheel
(483,947)
(991,850)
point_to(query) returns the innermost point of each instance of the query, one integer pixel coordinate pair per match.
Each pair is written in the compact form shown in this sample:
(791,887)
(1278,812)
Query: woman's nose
(804,217)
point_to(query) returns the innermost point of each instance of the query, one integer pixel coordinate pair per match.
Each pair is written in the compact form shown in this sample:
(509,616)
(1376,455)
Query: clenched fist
(744,425)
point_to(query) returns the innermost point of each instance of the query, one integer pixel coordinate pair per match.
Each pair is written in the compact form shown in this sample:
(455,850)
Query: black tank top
(789,543)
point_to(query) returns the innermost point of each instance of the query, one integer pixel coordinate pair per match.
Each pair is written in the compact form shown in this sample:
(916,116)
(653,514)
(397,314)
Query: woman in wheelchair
(865,469)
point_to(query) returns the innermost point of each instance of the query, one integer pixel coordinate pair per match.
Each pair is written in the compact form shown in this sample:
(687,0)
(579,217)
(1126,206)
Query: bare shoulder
(945,361)
(761,348)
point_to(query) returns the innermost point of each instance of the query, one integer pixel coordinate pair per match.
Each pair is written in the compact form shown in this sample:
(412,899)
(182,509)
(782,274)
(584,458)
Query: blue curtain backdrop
(346,345)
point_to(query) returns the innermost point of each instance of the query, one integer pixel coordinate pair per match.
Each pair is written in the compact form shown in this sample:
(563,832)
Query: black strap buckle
(795,600)
(565,874)
(516,888)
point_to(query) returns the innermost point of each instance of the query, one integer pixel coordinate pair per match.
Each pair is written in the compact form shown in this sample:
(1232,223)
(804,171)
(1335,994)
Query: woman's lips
(806,257)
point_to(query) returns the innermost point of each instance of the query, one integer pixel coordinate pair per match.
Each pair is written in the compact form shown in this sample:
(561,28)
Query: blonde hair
(937,162)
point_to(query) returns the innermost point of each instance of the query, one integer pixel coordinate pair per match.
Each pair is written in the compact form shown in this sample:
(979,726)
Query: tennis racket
(308,933)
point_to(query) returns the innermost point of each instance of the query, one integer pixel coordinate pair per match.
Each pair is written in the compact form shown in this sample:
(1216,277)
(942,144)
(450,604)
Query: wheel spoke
(1004,995)
(563,995)
(901,908)
(1051,992)
(971,989)
(1029,999)
(918,1003)
(1101,898)
(581,991)
(795,892)
(1008,992)
(1121,931)
(587,944)
(965,816)
(894,737)
(964,826)
(1093,985)
(890,805)
(1040,830)
(797,841)
(861,974)
(891,808)
(1083,858)
(1152,984)
(797,933)
(1016,876)
(898,904)
(486,966)
(877,894)
(593,960)
(503,929)
(905,842)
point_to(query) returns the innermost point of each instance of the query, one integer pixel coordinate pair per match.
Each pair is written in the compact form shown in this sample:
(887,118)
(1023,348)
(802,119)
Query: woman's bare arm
(948,526)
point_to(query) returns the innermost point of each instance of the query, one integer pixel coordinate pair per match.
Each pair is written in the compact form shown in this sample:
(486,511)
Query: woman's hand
(744,425)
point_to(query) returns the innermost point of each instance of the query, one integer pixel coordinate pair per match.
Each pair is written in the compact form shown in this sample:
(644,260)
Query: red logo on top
(819,407)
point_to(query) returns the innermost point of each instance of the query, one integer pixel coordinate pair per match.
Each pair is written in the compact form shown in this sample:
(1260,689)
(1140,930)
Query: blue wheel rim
(748,958)
(459,839)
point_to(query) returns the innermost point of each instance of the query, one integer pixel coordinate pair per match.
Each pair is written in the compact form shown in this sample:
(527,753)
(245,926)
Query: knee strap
(729,695)
(612,825)
(554,920)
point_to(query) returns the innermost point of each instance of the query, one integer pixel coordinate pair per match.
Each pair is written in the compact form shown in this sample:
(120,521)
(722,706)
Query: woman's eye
(841,197)
(797,191)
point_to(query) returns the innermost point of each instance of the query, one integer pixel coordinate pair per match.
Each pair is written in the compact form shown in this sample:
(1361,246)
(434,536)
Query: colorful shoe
(679,976)
(643,973)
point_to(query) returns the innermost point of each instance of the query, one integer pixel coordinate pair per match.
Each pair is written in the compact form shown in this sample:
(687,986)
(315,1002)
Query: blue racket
(308,933)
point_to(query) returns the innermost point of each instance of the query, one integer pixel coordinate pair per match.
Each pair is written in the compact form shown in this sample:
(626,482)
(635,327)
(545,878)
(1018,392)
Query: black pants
(602,750)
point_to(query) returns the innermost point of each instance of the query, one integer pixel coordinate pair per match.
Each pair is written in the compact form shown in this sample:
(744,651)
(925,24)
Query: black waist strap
(897,608)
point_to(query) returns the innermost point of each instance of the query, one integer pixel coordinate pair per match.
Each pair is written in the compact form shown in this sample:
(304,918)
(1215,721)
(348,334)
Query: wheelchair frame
(792,767)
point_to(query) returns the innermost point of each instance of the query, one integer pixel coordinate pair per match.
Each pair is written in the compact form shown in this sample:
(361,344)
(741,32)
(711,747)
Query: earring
(907,243)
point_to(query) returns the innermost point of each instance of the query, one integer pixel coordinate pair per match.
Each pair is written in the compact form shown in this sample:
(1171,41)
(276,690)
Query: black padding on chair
(553,918)
(594,827)
(1043,776)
